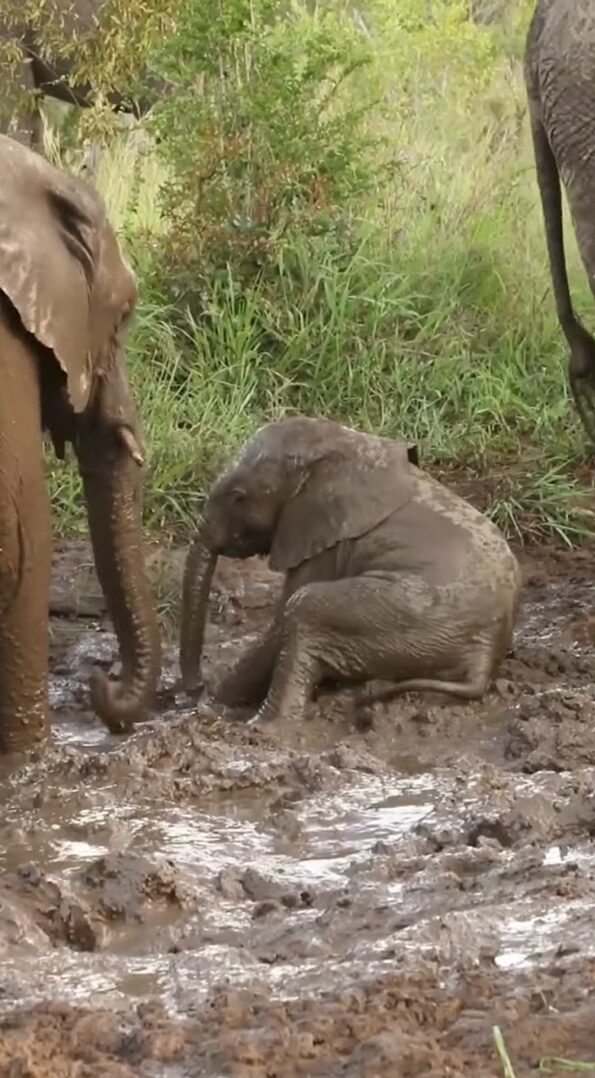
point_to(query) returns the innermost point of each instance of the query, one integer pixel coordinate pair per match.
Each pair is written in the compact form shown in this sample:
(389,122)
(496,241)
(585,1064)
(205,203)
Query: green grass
(507,1067)
(551,1064)
(437,323)
(548,1065)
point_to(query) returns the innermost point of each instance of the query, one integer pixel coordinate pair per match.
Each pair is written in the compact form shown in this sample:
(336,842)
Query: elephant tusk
(131,445)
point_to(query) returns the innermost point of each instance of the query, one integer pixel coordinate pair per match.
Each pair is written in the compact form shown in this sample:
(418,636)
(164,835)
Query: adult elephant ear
(48,250)
(347,491)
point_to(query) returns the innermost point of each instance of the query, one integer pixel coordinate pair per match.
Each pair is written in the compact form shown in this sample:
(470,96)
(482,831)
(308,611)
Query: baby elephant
(388,575)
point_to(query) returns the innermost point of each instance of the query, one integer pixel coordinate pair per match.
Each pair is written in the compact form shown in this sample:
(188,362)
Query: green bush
(263,141)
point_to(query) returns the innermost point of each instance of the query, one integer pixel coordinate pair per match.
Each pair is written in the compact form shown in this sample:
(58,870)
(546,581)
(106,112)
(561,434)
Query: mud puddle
(204,898)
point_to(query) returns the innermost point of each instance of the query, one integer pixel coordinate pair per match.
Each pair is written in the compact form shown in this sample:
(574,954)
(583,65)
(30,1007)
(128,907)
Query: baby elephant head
(299,487)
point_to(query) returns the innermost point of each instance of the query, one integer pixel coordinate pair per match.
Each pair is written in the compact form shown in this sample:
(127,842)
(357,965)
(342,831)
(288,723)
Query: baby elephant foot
(271,715)
(265,716)
(234,692)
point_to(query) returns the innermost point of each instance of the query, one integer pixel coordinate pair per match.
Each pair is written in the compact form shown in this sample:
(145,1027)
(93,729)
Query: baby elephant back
(464,540)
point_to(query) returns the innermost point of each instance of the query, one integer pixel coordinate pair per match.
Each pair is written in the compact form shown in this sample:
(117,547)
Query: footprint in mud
(126,887)
(552,732)
(45,912)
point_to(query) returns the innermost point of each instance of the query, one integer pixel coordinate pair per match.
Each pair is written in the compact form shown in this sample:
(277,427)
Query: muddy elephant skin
(560,82)
(66,295)
(388,575)
(51,76)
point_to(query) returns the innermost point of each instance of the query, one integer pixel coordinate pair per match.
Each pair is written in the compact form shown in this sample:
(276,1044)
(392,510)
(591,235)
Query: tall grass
(435,322)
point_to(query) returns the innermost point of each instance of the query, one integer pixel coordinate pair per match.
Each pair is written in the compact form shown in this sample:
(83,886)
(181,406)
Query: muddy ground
(363,896)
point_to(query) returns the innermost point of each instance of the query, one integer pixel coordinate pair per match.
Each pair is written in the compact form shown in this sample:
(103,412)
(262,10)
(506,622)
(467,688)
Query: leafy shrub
(108,53)
(262,139)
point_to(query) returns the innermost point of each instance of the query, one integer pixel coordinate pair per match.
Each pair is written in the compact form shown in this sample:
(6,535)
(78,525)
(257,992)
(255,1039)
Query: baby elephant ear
(346,493)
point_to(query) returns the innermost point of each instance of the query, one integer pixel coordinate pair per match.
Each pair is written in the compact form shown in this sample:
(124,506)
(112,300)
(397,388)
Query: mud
(368,894)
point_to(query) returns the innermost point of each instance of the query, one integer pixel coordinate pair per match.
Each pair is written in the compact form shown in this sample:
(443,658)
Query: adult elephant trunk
(198,574)
(112,487)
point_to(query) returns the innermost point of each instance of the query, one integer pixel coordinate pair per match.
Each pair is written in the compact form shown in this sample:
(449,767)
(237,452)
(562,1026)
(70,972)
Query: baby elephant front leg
(249,680)
(298,667)
(329,629)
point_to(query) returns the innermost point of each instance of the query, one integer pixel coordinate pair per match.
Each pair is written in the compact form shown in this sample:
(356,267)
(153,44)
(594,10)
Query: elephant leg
(19,122)
(581,368)
(92,160)
(26,128)
(395,629)
(25,552)
(37,131)
(249,680)
(581,193)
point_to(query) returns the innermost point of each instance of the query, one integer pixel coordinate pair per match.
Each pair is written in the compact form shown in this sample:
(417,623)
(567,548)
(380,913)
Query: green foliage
(434,336)
(418,37)
(342,219)
(107,45)
(262,139)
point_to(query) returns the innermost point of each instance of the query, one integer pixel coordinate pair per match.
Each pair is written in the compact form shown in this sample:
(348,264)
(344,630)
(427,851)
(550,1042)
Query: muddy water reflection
(199,852)
(333,834)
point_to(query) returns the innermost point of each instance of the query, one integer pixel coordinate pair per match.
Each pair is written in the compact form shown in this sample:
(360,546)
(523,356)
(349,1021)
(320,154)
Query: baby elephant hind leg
(489,649)
(394,628)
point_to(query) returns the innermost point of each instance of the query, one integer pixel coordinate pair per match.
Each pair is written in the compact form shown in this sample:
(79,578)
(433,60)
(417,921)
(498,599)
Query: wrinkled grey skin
(51,76)
(66,296)
(560,81)
(388,575)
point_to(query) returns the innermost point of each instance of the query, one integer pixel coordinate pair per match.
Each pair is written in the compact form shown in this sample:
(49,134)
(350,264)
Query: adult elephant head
(66,296)
(299,487)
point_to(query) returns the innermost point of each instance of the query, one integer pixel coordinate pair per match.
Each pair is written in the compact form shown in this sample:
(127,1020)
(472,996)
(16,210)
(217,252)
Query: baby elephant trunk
(198,574)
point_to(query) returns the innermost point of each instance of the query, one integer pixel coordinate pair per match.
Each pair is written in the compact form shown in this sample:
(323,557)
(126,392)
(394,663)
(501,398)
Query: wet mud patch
(428,1025)
(357,896)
